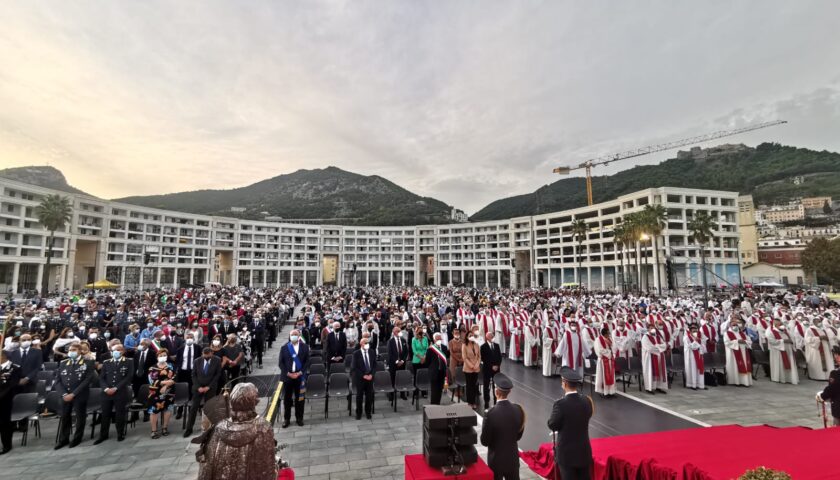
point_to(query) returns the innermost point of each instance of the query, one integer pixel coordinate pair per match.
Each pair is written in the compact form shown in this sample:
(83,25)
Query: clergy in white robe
(551,339)
(654,370)
(625,340)
(571,350)
(738,365)
(782,362)
(517,339)
(694,347)
(502,334)
(532,344)
(796,328)
(605,350)
(818,353)
(485,323)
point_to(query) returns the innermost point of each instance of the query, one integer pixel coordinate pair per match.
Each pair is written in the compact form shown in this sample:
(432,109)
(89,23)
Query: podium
(416,468)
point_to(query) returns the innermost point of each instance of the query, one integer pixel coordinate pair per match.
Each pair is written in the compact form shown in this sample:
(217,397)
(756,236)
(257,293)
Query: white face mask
(190,341)
(294,338)
(36,342)
(365,347)
(438,342)
(402,334)
(93,336)
(162,360)
(25,344)
(216,343)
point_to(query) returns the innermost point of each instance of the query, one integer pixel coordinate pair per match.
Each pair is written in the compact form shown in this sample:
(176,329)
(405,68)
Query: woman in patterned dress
(161,392)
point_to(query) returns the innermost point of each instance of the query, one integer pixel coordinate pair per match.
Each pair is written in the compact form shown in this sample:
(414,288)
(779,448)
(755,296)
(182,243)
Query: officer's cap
(502,382)
(571,376)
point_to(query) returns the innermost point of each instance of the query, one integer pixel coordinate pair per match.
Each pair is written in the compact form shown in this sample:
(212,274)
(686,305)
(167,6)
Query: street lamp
(644,237)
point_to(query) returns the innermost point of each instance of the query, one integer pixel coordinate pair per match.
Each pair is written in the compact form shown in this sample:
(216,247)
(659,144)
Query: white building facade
(139,247)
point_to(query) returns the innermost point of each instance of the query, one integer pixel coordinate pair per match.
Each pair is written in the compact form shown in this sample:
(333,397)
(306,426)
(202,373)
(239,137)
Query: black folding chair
(339,386)
(460,384)
(25,410)
(94,408)
(335,368)
(676,364)
(50,366)
(799,357)
(48,376)
(635,370)
(590,372)
(421,384)
(403,383)
(182,401)
(316,369)
(382,384)
(761,359)
(138,405)
(316,387)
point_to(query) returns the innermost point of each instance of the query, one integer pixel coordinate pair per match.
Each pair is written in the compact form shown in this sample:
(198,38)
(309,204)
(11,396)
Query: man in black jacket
(205,376)
(397,357)
(30,362)
(73,384)
(364,368)
(115,380)
(336,344)
(832,391)
(184,360)
(438,359)
(10,377)
(294,363)
(491,363)
(502,429)
(570,419)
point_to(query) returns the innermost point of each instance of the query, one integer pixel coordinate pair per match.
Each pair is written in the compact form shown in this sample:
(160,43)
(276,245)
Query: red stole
(484,324)
(657,360)
(570,352)
(785,357)
(799,329)
(505,328)
(711,337)
(698,358)
(608,362)
(518,337)
(742,361)
(534,333)
(822,349)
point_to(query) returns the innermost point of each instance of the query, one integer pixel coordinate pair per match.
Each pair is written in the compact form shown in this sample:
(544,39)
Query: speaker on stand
(449,437)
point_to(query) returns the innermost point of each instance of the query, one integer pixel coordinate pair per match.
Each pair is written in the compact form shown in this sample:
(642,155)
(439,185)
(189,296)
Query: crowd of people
(135,348)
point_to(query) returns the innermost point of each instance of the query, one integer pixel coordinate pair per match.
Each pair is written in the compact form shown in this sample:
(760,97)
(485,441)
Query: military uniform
(831,393)
(115,374)
(74,377)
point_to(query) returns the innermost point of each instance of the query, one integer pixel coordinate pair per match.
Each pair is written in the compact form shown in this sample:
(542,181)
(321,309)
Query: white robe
(485,324)
(605,350)
(532,343)
(516,340)
(574,359)
(731,340)
(548,360)
(778,373)
(625,342)
(654,347)
(814,337)
(693,376)
(499,338)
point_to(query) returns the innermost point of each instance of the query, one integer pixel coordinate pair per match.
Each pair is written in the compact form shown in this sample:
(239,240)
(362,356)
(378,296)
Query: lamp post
(644,238)
(740,273)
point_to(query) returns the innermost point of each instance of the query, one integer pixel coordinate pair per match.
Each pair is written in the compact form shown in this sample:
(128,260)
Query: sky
(464,101)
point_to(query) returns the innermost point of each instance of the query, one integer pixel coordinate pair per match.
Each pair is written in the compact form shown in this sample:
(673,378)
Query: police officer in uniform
(570,419)
(503,427)
(115,380)
(831,393)
(73,384)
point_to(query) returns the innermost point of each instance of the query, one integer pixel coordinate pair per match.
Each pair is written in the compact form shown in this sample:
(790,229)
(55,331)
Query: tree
(827,208)
(655,220)
(701,227)
(821,258)
(633,230)
(618,240)
(579,231)
(53,213)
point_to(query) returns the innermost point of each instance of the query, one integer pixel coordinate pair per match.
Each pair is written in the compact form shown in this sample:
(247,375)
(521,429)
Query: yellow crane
(607,159)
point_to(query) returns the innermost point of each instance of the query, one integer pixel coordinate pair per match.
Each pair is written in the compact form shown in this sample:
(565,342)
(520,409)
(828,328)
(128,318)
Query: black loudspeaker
(449,435)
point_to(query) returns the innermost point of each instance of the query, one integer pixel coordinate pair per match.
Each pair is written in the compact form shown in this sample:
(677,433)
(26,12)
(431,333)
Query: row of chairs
(338,385)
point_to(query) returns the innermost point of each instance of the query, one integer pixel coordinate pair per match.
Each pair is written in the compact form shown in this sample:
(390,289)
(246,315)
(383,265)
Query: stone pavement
(765,402)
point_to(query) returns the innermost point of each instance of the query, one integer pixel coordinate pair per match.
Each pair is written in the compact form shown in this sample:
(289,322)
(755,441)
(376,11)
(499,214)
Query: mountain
(43,176)
(329,193)
(767,172)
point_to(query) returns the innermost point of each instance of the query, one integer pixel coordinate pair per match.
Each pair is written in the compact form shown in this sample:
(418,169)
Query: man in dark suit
(29,361)
(336,344)
(184,360)
(205,376)
(294,365)
(258,339)
(397,356)
(364,368)
(831,392)
(491,363)
(10,377)
(570,419)
(73,384)
(115,378)
(438,359)
(144,359)
(502,429)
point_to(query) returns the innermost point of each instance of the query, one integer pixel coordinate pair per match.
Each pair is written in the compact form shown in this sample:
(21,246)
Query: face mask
(150,325)
(93,336)
(82,328)
(735,329)
(317,324)
(370,329)
(190,341)
(402,334)
(439,342)
(652,331)
(424,329)
(73,355)
(69,335)
(216,343)
(141,348)
(116,354)
(294,338)
(17,333)
(574,329)
(107,334)
(26,344)
(366,347)
(162,360)
(36,342)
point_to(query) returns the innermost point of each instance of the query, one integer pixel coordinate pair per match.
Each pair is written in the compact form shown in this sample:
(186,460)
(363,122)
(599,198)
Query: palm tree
(634,228)
(53,213)
(656,218)
(579,230)
(618,239)
(701,227)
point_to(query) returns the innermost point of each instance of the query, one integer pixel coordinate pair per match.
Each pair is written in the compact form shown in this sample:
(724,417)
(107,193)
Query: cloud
(467,102)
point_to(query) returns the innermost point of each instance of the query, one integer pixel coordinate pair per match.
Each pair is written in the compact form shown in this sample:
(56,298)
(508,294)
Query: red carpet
(715,453)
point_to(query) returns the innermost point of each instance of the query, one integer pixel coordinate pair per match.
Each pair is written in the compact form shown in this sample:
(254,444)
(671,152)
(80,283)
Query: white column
(40,278)
(15,277)
(498,279)
(157,277)
(548,274)
(142,272)
(122,275)
(603,279)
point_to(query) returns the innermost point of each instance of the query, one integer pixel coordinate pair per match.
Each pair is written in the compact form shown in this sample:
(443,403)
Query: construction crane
(607,159)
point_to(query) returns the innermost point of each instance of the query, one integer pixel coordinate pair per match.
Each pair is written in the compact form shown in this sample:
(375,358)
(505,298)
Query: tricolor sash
(299,367)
